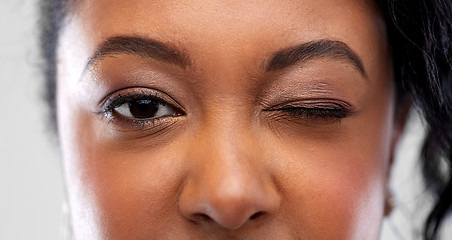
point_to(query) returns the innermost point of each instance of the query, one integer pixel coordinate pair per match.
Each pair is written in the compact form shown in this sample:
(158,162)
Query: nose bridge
(230,161)
(228,132)
(228,182)
(230,149)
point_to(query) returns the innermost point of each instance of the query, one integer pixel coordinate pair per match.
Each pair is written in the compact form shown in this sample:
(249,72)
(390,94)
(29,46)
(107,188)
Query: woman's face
(225,119)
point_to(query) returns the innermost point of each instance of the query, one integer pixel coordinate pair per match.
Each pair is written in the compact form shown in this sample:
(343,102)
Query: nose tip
(229,206)
(228,183)
(230,214)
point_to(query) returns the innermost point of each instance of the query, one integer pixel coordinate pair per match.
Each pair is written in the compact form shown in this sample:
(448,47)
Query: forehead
(243,22)
(236,35)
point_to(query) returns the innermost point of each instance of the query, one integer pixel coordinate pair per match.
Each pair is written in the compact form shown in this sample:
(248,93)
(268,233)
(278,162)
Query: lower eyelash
(130,123)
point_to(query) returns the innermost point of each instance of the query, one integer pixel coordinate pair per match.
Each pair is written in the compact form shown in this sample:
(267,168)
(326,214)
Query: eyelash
(317,112)
(326,112)
(108,109)
(311,112)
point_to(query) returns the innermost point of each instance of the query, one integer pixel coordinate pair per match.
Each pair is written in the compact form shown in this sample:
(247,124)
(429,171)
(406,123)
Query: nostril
(201,217)
(257,215)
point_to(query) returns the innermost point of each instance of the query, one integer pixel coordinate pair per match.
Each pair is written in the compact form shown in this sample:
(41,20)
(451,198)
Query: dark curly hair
(420,34)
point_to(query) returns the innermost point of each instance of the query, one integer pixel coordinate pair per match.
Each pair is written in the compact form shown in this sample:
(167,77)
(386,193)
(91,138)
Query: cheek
(340,178)
(115,193)
(135,192)
(331,189)
(337,195)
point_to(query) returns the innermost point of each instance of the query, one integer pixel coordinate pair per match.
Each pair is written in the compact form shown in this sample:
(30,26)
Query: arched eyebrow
(319,49)
(150,48)
(143,47)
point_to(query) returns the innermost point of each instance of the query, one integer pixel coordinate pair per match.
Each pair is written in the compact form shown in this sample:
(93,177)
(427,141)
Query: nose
(228,186)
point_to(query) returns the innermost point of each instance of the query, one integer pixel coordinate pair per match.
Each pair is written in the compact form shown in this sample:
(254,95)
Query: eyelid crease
(133,93)
(310,116)
(126,124)
(313,103)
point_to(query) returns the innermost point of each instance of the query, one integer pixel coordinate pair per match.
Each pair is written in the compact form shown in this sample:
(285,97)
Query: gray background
(31,185)
(31,189)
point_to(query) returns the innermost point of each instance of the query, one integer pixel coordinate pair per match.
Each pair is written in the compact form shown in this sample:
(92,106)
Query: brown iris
(143,109)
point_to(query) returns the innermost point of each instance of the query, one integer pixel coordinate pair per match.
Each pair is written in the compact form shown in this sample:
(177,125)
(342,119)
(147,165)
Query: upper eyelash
(112,103)
(336,110)
(315,108)
(317,112)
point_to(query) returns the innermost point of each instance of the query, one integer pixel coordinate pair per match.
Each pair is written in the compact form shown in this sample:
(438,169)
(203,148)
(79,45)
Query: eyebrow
(315,50)
(150,48)
(144,47)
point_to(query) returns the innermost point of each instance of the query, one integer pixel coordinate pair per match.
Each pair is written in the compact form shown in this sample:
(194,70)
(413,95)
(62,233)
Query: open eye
(144,109)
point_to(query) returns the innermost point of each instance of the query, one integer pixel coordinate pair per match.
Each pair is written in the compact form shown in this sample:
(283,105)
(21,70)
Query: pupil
(144,108)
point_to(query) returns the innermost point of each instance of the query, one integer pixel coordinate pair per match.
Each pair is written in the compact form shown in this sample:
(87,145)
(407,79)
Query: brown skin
(226,165)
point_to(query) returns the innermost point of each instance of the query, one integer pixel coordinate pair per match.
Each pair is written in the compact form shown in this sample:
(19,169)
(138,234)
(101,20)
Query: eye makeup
(140,107)
(320,111)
